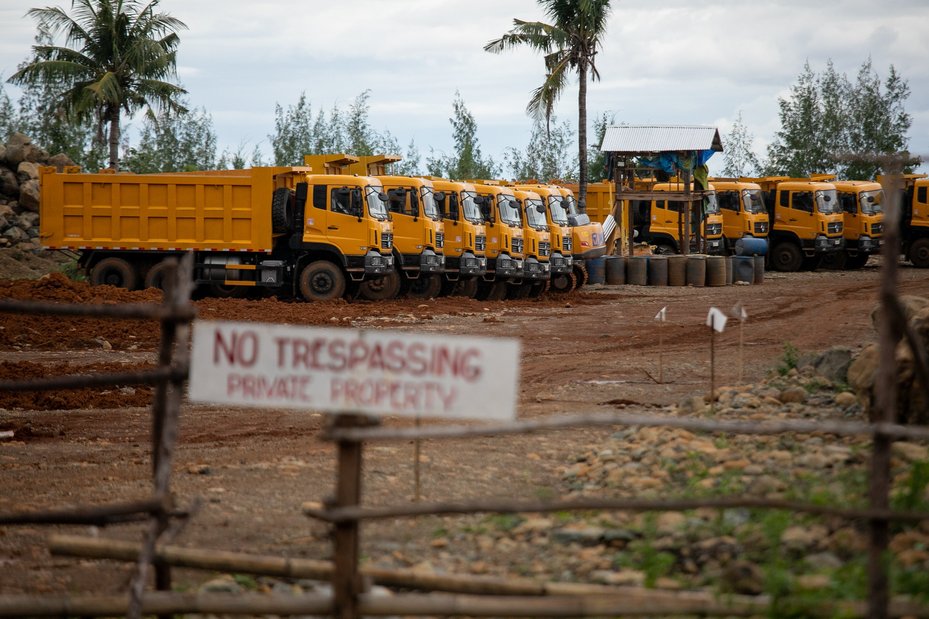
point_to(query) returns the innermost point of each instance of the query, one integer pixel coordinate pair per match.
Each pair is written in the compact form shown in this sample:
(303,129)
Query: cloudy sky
(669,62)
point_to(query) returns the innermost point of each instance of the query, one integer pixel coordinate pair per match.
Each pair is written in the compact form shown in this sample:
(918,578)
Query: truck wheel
(857,261)
(155,278)
(380,288)
(114,271)
(538,289)
(321,280)
(465,287)
(492,291)
(519,291)
(425,286)
(919,253)
(282,214)
(564,282)
(786,257)
(836,260)
(580,272)
(663,249)
(811,263)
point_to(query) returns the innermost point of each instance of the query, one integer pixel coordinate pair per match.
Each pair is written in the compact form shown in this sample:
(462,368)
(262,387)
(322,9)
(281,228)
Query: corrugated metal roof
(660,138)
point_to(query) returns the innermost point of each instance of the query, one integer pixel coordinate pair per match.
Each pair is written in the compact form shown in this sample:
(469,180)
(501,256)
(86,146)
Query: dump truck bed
(218,211)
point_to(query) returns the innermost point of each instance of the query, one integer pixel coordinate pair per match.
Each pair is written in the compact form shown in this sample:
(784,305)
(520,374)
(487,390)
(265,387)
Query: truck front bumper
(377,263)
(469,264)
(507,266)
(534,269)
(431,262)
(828,244)
(560,263)
(714,247)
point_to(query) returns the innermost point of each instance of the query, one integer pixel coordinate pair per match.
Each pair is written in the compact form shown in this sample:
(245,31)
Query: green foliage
(738,157)
(8,119)
(789,360)
(547,156)
(174,142)
(122,56)
(913,496)
(466,162)
(504,522)
(246,581)
(826,116)
(596,158)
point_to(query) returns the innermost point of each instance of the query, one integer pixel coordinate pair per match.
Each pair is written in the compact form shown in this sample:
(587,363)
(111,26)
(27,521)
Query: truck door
(404,209)
(335,215)
(665,216)
(795,213)
(729,207)
(848,203)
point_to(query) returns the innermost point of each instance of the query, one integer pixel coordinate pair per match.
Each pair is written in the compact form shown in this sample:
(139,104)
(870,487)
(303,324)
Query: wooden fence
(469,596)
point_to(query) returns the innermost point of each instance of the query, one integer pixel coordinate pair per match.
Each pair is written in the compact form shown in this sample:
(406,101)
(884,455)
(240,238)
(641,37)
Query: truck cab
(660,222)
(587,238)
(504,239)
(538,242)
(807,222)
(556,216)
(465,236)
(418,230)
(861,204)
(914,218)
(743,210)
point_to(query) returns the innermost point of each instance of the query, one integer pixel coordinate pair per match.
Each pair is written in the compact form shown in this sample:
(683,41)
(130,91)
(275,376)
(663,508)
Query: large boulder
(27,170)
(29,196)
(832,364)
(60,161)
(9,183)
(912,397)
(15,152)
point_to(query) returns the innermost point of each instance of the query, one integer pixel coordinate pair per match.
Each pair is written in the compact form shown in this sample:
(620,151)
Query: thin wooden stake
(741,349)
(712,367)
(417,491)
(660,352)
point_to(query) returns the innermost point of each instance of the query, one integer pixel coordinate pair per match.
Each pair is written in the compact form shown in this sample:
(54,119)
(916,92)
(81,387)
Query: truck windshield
(429,208)
(827,201)
(870,201)
(710,205)
(570,205)
(752,201)
(559,212)
(508,208)
(376,205)
(469,207)
(535,213)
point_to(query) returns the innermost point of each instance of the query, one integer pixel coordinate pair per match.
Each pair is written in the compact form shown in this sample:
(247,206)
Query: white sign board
(350,370)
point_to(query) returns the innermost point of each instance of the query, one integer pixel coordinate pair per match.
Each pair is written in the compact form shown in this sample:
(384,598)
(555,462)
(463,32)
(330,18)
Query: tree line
(119,59)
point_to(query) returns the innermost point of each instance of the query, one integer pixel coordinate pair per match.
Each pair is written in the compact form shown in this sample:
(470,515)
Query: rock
(632,578)
(846,399)
(911,452)
(793,394)
(60,161)
(585,536)
(813,582)
(833,363)
(823,561)
(911,304)
(695,405)
(743,577)
(15,149)
(27,220)
(29,196)
(9,183)
(15,235)
(27,170)
(670,522)
(223,584)
(803,537)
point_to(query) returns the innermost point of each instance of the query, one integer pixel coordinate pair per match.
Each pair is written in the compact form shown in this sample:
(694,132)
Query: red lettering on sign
(400,396)
(241,349)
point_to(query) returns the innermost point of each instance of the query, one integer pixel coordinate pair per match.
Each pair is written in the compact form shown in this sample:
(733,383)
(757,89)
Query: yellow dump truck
(465,237)
(418,242)
(742,207)
(587,239)
(861,205)
(537,246)
(561,261)
(914,219)
(281,228)
(504,239)
(806,222)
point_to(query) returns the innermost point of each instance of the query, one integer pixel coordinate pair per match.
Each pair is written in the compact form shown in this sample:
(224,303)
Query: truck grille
(387,240)
(566,243)
(545,249)
(761,227)
(517,247)
(877,228)
(834,227)
(480,242)
(714,229)
(439,240)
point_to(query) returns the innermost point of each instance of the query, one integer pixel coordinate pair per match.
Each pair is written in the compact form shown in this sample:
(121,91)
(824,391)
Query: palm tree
(117,57)
(569,43)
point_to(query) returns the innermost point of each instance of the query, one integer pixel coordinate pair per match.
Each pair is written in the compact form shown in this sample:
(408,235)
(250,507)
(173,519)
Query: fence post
(347,583)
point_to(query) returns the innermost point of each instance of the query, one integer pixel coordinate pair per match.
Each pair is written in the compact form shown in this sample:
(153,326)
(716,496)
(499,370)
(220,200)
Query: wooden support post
(712,367)
(685,237)
(417,446)
(347,583)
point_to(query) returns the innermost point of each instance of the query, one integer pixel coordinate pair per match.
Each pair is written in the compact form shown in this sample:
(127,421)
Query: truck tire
(919,253)
(321,280)
(580,273)
(857,261)
(564,282)
(465,287)
(491,291)
(155,278)
(425,286)
(114,271)
(811,263)
(380,288)
(787,257)
(282,214)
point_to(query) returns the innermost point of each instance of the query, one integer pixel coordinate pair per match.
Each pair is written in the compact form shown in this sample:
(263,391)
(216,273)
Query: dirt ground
(594,350)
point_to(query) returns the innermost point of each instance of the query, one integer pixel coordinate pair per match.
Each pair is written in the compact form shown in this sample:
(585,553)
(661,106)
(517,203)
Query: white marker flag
(716,319)
(662,314)
(739,312)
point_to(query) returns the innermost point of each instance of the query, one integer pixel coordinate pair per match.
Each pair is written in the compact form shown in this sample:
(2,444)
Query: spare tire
(282,212)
